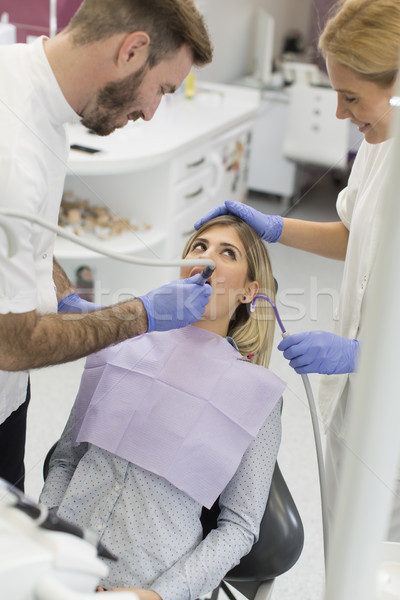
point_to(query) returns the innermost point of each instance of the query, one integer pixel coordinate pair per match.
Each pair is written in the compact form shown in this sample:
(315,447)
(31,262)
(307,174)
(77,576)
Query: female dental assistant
(361,46)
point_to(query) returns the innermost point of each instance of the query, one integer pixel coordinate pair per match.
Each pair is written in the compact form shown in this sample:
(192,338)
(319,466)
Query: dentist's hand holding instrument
(178,303)
(171,306)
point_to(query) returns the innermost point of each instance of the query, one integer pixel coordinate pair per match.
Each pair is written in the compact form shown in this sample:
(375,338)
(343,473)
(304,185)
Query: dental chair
(278,548)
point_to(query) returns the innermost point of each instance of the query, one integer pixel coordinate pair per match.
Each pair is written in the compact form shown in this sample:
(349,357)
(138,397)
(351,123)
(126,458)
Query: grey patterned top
(153,527)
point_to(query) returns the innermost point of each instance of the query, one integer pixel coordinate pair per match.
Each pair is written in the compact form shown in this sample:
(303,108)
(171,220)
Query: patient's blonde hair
(253,332)
(364,35)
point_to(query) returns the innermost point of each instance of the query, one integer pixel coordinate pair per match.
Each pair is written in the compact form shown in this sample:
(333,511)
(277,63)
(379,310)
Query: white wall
(231,24)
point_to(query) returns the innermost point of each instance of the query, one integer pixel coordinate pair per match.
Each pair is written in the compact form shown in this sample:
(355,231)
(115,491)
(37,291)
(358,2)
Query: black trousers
(12,445)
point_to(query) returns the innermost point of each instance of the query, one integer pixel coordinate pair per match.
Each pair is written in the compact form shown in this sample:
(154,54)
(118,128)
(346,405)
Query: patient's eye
(230,252)
(198,245)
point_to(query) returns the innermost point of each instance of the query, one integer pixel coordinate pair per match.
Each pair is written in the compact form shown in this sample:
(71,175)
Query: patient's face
(229,280)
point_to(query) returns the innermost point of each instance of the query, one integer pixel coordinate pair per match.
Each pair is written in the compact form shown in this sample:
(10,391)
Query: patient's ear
(251,290)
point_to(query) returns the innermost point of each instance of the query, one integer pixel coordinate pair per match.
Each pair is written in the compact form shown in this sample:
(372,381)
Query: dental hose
(316,431)
(99,248)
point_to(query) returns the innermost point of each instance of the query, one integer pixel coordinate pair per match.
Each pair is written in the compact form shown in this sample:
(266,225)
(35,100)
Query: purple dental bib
(182,404)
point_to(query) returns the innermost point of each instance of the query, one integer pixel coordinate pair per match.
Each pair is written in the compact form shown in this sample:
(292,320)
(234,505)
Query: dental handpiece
(207,272)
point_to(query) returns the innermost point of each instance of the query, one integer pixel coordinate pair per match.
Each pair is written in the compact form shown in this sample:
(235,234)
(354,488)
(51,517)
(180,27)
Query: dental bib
(182,404)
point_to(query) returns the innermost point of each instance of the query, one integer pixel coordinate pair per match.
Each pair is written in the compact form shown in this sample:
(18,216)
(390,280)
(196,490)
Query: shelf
(129,242)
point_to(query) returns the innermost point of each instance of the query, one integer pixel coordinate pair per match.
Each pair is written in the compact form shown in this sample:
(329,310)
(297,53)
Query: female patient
(168,422)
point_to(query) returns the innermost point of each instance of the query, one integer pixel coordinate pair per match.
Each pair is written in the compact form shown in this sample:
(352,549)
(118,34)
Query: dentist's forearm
(29,340)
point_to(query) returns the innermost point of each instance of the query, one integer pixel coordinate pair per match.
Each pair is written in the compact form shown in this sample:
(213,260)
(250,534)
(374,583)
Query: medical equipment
(388,579)
(56,559)
(315,424)
(206,274)
(13,244)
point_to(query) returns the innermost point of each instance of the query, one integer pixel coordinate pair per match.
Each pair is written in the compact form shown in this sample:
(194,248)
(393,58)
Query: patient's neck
(215,326)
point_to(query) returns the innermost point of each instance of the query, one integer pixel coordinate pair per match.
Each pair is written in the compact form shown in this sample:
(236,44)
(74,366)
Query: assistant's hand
(268,227)
(177,304)
(320,352)
(75,304)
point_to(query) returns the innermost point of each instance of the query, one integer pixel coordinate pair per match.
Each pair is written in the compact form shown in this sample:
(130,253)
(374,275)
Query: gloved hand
(320,352)
(75,304)
(177,304)
(268,227)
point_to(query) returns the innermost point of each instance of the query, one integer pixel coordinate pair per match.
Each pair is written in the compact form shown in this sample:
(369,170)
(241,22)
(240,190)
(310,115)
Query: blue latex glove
(320,352)
(75,304)
(177,304)
(268,227)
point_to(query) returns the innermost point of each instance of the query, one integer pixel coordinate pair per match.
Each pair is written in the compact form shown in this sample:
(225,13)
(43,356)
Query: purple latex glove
(320,352)
(75,304)
(268,227)
(177,304)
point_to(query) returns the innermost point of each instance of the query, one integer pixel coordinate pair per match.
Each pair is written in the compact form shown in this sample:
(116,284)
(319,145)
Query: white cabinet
(270,172)
(167,173)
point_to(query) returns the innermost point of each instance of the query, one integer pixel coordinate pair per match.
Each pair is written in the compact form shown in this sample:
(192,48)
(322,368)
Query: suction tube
(316,430)
(208,271)
(99,248)
(253,308)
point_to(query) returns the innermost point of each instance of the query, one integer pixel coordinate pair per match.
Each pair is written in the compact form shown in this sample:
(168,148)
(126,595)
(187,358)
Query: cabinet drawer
(190,163)
(182,226)
(193,191)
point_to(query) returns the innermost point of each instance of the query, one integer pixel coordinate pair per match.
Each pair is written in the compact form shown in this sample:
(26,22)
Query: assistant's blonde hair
(253,332)
(364,35)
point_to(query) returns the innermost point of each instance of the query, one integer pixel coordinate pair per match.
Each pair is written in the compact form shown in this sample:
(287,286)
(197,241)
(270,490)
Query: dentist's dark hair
(169,23)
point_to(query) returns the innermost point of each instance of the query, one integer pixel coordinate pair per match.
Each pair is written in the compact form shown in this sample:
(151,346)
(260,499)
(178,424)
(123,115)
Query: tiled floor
(308,288)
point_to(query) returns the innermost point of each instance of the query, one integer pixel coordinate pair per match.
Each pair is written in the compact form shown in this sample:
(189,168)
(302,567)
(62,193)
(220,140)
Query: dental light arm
(99,248)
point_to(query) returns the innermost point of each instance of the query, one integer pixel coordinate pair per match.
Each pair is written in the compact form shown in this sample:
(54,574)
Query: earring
(244,297)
